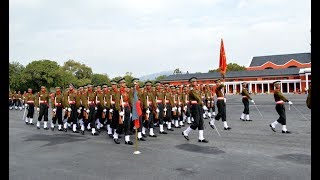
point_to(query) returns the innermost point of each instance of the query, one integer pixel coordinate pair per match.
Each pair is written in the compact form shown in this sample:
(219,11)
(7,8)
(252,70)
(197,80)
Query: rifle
(110,113)
(174,98)
(103,113)
(121,118)
(157,114)
(165,106)
(179,106)
(147,114)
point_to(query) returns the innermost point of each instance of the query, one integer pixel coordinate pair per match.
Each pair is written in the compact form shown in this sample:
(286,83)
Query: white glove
(121,113)
(111,110)
(88,111)
(212,102)
(38,109)
(104,110)
(205,108)
(148,111)
(157,110)
(95,108)
(290,103)
(130,115)
(80,108)
(253,101)
(185,108)
(165,109)
(174,108)
(66,109)
(79,111)
(179,109)
(69,109)
(225,100)
(26,105)
(54,109)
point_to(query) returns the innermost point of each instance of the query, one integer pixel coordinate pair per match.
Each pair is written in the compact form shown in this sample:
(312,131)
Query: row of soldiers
(16,100)
(86,108)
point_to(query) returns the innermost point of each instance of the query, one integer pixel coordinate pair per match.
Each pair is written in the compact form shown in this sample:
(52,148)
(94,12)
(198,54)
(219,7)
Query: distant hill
(155,75)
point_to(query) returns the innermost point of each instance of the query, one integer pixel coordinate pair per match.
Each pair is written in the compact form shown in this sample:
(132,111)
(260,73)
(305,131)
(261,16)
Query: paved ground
(249,151)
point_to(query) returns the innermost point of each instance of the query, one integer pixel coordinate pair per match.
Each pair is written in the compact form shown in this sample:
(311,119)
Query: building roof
(234,74)
(280,59)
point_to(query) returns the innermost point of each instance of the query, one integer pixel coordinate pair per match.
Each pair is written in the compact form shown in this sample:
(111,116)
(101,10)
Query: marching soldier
(221,104)
(42,105)
(10,100)
(186,107)
(92,110)
(19,100)
(196,112)
(85,109)
(100,108)
(174,111)
(124,112)
(57,107)
(245,100)
(117,114)
(135,82)
(209,101)
(159,96)
(14,100)
(168,108)
(70,101)
(180,105)
(280,99)
(106,110)
(30,99)
(148,111)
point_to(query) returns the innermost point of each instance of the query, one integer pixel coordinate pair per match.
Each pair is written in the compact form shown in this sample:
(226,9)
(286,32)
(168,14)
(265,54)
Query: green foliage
(159,78)
(40,73)
(16,80)
(231,67)
(100,79)
(80,71)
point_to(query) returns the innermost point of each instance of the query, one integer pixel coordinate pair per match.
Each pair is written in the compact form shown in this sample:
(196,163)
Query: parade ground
(249,151)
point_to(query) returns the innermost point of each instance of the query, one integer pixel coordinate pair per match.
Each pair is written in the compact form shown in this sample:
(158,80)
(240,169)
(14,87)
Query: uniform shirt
(84,99)
(57,100)
(106,99)
(244,92)
(218,90)
(278,96)
(69,98)
(100,99)
(42,96)
(30,97)
(159,95)
(115,96)
(194,95)
(148,94)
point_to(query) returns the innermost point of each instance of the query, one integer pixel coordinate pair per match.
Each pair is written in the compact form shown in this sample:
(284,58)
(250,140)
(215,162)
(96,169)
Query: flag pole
(136,143)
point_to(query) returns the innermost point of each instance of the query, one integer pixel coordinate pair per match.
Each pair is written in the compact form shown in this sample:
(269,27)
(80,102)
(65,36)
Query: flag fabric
(136,109)
(223,60)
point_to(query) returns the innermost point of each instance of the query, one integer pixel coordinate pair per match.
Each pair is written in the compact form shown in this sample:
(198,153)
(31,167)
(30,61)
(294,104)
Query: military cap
(89,86)
(148,83)
(98,87)
(177,88)
(276,82)
(58,87)
(29,89)
(85,87)
(122,80)
(157,83)
(43,87)
(173,87)
(166,84)
(217,81)
(113,83)
(104,86)
(135,80)
(192,79)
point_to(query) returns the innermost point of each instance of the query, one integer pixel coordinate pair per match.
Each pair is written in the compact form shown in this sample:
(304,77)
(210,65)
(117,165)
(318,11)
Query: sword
(258,111)
(299,112)
(24,113)
(216,128)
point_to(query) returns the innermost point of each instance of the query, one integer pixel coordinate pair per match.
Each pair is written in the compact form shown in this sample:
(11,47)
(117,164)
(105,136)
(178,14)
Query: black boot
(116,141)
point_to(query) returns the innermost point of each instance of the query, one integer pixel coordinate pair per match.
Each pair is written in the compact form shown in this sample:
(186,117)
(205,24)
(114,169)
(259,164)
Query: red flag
(136,109)
(223,60)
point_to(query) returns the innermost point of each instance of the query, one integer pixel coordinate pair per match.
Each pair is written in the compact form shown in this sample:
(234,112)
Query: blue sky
(150,36)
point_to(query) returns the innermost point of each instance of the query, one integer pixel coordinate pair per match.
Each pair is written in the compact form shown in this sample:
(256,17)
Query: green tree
(41,73)
(80,71)
(100,79)
(231,67)
(128,77)
(159,78)
(16,80)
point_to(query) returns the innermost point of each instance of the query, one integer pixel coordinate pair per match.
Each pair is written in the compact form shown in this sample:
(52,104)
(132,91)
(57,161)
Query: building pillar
(294,86)
(240,88)
(307,83)
(255,86)
(300,86)
(227,88)
(288,90)
(281,87)
(268,88)
(262,88)
(250,87)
